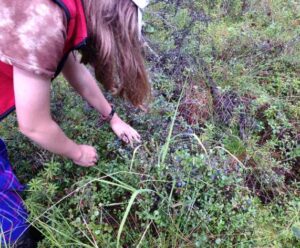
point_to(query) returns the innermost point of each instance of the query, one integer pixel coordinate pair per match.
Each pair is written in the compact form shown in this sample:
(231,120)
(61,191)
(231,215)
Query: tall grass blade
(130,203)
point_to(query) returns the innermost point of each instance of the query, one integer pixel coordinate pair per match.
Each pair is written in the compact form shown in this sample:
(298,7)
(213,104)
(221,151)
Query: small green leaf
(296,230)
(218,241)
(149,29)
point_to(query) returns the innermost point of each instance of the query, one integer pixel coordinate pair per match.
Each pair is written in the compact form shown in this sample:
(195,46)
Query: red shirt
(37,36)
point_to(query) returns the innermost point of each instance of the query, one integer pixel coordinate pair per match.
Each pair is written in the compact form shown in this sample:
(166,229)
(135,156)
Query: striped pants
(13,215)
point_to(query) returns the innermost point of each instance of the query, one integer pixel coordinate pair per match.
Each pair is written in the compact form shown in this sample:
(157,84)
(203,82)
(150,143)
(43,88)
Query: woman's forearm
(85,84)
(32,97)
(49,136)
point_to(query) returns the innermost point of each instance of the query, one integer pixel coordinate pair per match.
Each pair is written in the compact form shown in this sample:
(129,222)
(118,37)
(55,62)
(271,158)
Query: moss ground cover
(219,162)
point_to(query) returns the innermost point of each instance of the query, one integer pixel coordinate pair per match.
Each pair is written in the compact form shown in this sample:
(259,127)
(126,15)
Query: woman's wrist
(114,119)
(105,111)
(108,118)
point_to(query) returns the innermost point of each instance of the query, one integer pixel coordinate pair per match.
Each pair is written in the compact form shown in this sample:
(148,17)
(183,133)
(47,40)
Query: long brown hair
(114,48)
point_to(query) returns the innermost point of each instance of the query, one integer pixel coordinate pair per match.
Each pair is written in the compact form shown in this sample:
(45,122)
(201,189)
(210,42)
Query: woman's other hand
(87,156)
(124,131)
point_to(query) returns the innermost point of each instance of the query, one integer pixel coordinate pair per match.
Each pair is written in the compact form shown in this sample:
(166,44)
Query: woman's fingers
(84,164)
(127,138)
(124,137)
(89,156)
(138,137)
(130,138)
(95,158)
(125,132)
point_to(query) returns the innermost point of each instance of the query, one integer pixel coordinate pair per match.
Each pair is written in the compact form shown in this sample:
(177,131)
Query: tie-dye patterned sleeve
(32,35)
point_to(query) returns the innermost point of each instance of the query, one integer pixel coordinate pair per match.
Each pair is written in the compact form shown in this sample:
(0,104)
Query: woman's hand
(86,156)
(124,131)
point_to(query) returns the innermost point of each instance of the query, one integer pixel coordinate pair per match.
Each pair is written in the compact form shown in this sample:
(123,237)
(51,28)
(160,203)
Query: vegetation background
(219,161)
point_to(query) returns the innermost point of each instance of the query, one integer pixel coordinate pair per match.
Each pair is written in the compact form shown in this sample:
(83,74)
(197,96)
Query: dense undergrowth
(219,162)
